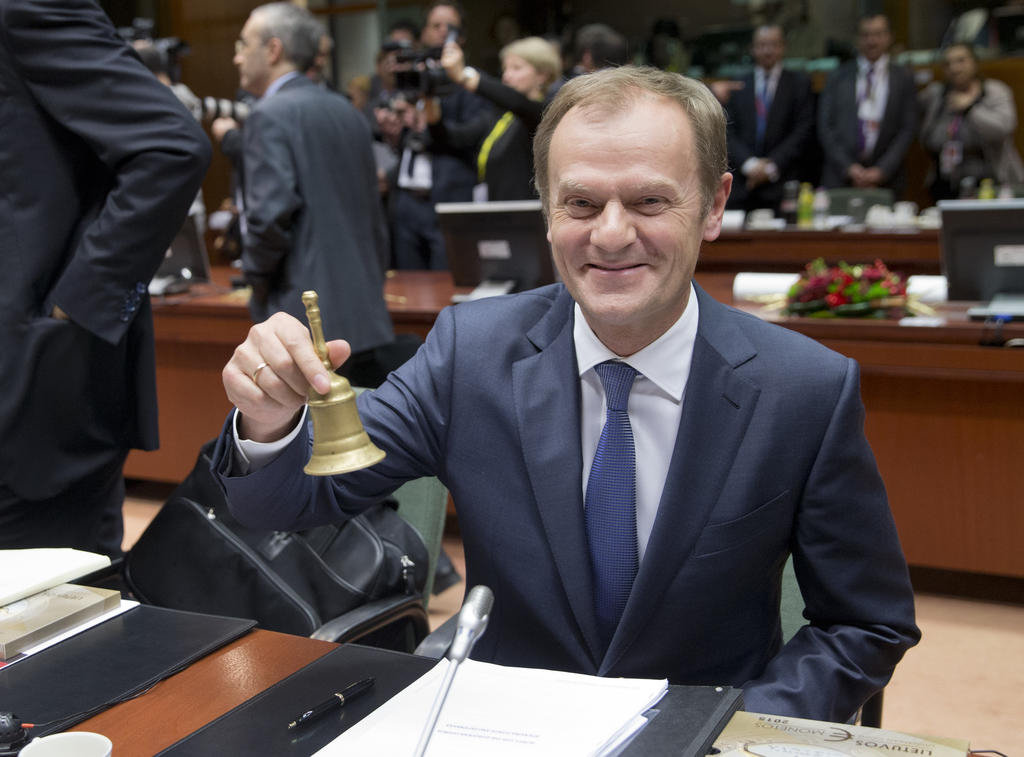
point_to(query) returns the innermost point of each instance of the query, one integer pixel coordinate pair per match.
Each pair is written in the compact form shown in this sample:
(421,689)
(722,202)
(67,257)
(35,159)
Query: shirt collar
(879,65)
(279,82)
(658,361)
(770,74)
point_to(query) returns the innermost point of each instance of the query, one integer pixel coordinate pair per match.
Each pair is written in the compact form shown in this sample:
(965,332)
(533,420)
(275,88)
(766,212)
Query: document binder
(121,657)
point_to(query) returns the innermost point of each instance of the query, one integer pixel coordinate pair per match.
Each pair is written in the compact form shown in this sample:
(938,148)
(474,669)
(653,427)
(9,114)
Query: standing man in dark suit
(312,215)
(867,115)
(428,173)
(100,163)
(771,119)
(632,462)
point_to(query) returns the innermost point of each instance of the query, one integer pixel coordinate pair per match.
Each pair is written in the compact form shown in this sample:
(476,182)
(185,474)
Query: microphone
(472,623)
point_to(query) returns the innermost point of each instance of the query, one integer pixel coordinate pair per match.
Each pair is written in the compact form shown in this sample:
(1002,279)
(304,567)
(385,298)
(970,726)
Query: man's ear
(713,221)
(275,50)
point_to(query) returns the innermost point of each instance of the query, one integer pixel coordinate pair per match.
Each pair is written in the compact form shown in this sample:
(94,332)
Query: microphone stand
(471,625)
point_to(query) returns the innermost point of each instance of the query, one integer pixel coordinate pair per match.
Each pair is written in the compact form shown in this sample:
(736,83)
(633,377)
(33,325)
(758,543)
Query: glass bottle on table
(805,207)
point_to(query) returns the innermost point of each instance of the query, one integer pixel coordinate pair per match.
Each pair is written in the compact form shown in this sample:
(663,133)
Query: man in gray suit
(312,217)
(867,115)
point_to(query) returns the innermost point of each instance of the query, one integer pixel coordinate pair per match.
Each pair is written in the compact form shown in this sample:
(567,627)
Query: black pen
(337,700)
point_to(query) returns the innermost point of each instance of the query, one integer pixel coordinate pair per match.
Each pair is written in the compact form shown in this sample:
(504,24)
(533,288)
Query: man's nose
(614,229)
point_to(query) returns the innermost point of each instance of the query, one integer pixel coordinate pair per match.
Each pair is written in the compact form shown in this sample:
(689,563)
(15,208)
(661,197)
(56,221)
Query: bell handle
(316,326)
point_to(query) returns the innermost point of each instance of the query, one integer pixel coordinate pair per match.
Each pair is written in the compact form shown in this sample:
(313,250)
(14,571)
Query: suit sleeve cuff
(249,456)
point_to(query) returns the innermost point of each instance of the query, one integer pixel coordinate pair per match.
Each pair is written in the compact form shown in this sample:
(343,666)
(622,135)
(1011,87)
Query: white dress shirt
(655,410)
(280,82)
(655,406)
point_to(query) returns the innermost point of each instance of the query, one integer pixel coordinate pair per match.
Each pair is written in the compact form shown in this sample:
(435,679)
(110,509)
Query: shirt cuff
(250,456)
(749,165)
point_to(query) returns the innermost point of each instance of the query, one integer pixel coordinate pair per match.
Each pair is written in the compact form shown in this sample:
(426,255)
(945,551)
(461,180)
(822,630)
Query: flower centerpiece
(848,291)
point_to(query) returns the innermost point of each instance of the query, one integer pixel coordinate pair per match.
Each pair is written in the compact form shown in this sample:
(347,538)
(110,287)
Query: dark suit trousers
(415,237)
(87,516)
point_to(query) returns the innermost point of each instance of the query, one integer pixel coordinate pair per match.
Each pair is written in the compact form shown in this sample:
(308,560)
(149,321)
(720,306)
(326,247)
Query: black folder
(684,723)
(110,662)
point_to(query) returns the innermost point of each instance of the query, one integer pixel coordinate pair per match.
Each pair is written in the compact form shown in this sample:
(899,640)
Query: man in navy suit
(100,163)
(727,443)
(771,119)
(867,115)
(312,217)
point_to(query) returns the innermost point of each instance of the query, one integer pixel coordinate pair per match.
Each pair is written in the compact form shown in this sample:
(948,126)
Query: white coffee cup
(905,210)
(69,744)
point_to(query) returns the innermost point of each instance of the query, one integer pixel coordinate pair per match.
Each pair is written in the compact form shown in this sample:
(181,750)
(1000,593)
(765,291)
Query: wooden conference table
(945,414)
(241,673)
(203,691)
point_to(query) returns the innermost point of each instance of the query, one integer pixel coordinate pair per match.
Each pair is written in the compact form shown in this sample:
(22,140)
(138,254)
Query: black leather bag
(195,556)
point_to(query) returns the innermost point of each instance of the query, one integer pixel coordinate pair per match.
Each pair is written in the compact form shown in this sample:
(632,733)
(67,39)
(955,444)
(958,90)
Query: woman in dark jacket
(530,68)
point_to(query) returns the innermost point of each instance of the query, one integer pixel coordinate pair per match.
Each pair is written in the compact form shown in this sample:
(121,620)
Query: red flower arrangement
(845,291)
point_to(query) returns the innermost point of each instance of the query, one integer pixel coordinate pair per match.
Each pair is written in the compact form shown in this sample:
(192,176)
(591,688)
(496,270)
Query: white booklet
(498,711)
(24,572)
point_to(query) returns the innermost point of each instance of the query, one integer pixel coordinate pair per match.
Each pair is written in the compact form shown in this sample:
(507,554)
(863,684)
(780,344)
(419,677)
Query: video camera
(418,73)
(160,54)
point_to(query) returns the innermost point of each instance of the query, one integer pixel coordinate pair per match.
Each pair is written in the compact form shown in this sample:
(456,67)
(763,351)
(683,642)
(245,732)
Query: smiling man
(632,462)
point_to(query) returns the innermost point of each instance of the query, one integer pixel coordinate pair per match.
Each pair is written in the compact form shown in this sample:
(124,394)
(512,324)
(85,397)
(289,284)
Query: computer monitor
(983,253)
(184,262)
(496,241)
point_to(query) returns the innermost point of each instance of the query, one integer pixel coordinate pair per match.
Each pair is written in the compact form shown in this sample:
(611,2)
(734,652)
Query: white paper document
(497,710)
(24,572)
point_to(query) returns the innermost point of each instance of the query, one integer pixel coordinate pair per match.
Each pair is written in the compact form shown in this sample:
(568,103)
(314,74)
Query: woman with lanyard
(530,66)
(968,127)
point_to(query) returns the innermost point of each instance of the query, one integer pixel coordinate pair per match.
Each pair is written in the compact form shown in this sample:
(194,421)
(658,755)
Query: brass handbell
(340,443)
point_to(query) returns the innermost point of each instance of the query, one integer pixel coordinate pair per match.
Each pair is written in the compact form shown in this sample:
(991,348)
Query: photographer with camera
(530,69)
(428,173)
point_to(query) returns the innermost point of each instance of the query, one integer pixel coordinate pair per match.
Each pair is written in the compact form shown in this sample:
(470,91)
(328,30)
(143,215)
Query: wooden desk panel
(790,250)
(204,691)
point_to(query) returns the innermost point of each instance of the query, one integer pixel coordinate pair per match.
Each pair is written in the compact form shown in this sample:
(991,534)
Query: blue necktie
(761,106)
(610,502)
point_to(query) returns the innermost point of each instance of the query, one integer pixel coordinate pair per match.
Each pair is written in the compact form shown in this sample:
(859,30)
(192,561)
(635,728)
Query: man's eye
(579,206)
(651,203)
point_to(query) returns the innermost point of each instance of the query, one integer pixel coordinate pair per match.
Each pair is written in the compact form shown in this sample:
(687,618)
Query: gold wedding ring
(256,373)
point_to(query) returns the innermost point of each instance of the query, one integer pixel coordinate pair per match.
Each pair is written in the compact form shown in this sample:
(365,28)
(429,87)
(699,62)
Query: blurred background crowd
(451,92)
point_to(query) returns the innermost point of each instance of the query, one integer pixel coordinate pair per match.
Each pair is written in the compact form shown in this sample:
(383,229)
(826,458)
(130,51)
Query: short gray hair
(297,29)
(618,88)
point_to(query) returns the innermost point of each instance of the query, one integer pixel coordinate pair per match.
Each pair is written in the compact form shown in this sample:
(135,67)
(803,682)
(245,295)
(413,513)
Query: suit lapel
(777,111)
(716,411)
(545,389)
(890,118)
